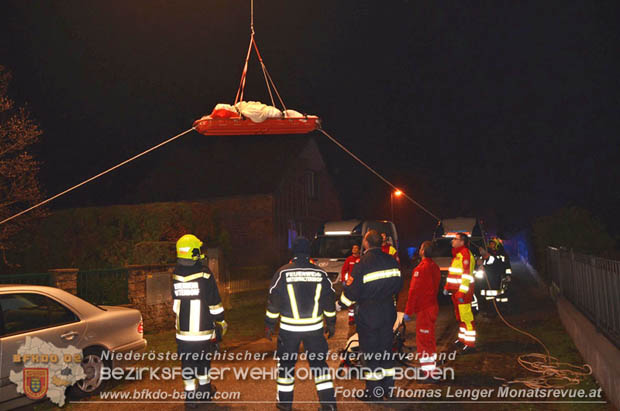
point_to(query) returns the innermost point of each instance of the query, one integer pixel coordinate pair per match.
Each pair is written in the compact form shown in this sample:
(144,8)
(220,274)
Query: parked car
(60,318)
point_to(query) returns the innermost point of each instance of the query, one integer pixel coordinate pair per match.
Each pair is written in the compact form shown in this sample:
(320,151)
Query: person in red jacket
(349,263)
(388,248)
(345,274)
(422,301)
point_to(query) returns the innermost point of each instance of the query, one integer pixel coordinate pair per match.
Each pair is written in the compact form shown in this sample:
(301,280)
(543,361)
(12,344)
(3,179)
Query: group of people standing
(302,297)
(303,300)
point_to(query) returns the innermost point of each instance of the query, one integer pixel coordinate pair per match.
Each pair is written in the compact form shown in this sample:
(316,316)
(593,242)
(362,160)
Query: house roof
(210,167)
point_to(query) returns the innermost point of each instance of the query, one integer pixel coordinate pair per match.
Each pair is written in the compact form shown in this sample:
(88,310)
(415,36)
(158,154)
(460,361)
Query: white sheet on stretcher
(257,111)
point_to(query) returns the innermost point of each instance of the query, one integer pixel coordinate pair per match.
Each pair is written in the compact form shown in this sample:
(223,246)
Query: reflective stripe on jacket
(460,274)
(196,302)
(301,296)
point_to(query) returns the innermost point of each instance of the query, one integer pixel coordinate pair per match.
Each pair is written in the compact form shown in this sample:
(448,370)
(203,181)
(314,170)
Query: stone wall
(595,348)
(65,279)
(157,315)
(149,288)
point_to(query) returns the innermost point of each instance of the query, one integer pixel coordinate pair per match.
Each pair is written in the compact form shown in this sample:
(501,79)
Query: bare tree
(19,186)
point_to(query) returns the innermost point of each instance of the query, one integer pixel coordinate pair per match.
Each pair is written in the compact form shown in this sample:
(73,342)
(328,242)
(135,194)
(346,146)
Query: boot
(190,400)
(207,391)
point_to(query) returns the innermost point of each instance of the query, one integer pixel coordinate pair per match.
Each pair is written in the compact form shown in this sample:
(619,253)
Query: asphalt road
(498,345)
(261,394)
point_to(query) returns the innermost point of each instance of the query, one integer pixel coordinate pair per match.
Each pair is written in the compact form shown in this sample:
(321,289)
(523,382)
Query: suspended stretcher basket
(214,126)
(251,117)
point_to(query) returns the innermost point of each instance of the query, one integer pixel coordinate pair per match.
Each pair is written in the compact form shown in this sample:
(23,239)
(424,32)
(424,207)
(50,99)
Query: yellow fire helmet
(497,241)
(188,247)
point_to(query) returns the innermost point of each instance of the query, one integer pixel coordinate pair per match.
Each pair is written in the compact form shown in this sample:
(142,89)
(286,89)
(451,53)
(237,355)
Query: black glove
(330,330)
(269,331)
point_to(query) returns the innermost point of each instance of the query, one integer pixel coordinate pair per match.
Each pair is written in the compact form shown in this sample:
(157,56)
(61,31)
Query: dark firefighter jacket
(497,267)
(376,283)
(300,295)
(196,302)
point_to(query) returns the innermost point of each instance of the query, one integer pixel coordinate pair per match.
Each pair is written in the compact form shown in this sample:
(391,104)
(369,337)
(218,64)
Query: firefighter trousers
(465,317)
(316,351)
(196,362)
(376,348)
(425,337)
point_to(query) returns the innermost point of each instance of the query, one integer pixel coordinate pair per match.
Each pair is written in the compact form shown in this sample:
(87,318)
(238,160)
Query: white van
(333,243)
(447,230)
(442,244)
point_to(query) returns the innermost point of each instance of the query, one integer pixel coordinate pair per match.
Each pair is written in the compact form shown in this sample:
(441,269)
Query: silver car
(60,318)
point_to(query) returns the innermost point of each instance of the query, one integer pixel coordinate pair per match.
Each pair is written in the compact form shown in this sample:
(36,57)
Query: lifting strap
(268,79)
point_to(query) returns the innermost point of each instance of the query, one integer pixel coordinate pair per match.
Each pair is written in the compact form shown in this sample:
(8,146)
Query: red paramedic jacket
(390,250)
(424,287)
(348,265)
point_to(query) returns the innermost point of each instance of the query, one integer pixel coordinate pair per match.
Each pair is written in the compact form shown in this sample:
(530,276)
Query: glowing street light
(395,193)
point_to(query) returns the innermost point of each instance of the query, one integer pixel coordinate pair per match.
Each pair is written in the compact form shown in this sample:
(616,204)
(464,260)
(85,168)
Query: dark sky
(503,109)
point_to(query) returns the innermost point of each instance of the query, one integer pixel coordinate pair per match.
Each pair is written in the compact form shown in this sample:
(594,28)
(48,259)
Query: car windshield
(443,248)
(334,246)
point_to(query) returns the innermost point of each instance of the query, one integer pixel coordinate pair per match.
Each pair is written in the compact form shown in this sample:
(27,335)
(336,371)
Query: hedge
(114,236)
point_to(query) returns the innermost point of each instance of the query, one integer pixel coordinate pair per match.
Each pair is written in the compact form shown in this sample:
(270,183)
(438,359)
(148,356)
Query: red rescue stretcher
(237,126)
(231,120)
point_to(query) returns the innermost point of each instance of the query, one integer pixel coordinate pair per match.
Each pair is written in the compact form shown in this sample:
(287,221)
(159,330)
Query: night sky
(502,109)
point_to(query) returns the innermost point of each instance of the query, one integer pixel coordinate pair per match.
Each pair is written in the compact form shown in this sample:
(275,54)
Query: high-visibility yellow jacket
(460,274)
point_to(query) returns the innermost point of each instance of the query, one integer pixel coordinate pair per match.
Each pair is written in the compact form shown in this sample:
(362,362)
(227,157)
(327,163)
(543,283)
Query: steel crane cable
(372,170)
(268,79)
(88,180)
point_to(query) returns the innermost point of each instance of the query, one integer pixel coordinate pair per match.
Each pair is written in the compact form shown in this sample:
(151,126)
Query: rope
(346,150)
(268,80)
(264,68)
(244,72)
(275,88)
(6,220)
(552,372)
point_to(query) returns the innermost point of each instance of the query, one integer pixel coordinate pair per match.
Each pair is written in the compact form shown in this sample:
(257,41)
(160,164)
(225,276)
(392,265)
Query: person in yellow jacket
(460,284)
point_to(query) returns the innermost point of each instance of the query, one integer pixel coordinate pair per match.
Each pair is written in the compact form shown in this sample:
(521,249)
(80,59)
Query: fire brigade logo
(40,370)
(35,382)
